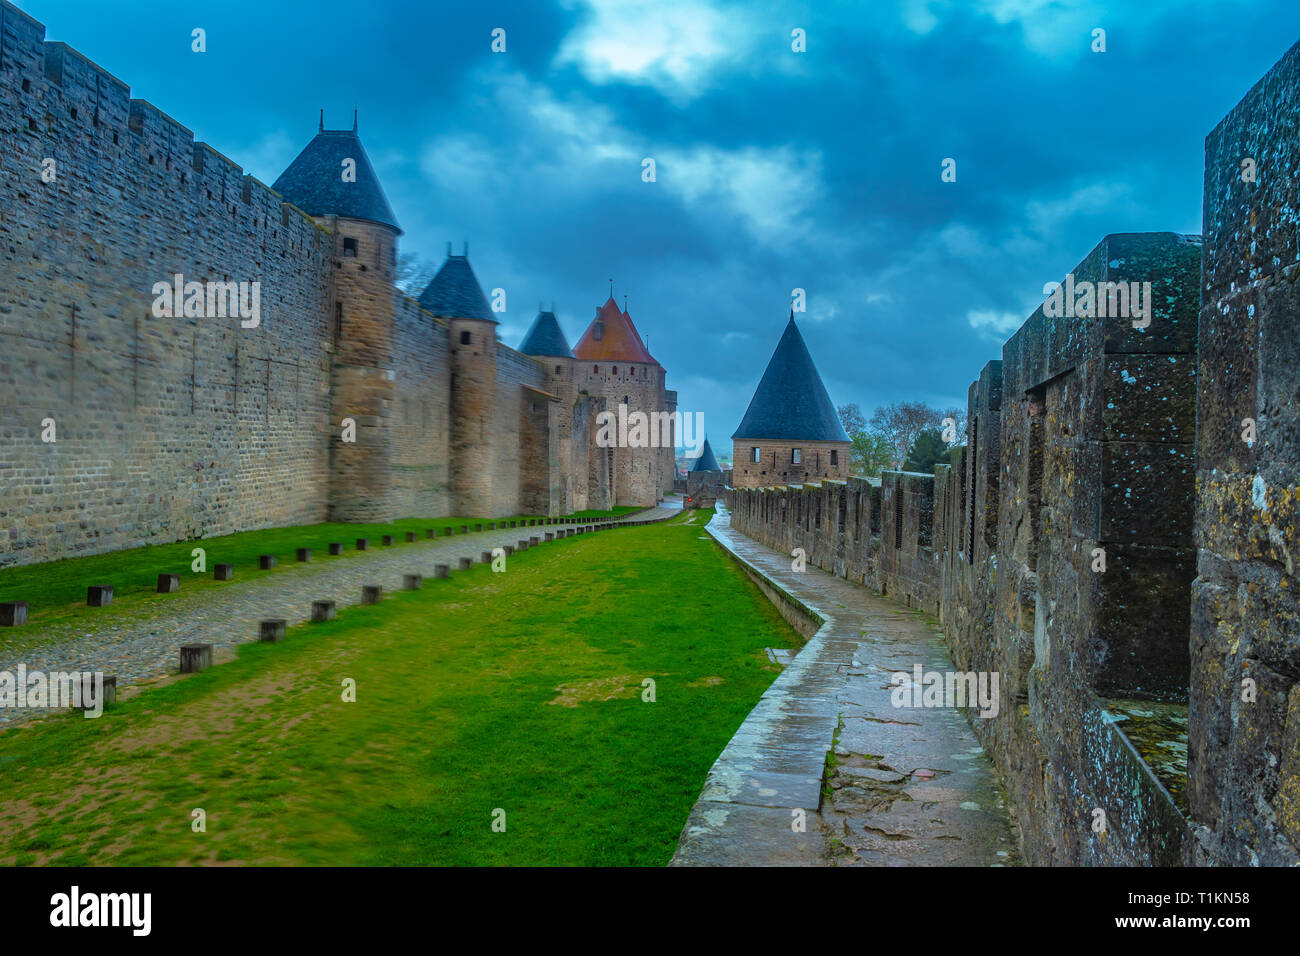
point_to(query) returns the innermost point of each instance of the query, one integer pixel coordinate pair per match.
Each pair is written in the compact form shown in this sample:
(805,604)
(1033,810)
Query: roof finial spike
(540,305)
(466,248)
(624,301)
(448,248)
(552,305)
(611,288)
(354,118)
(322,119)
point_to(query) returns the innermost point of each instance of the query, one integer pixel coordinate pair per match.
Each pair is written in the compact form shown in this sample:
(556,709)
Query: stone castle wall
(1244,749)
(1080,439)
(166,428)
(175,428)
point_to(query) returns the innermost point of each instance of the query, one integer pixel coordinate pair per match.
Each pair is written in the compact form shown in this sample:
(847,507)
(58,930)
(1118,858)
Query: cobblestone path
(910,786)
(141,644)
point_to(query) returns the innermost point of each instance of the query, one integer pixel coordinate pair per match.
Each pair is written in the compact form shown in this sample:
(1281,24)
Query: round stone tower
(332,181)
(455,296)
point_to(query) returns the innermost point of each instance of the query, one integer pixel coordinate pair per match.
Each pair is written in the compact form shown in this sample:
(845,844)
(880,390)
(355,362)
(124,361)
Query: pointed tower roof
(791,401)
(612,337)
(706,461)
(455,293)
(545,338)
(314,181)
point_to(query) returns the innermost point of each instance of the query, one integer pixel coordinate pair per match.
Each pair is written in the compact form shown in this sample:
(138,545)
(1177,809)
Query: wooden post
(223,572)
(13,613)
(303,554)
(195,658)
(336,547)
(169,583)
(99,595)
(322,611)
(370,593)
(413,582)
(272,631)
(266,562)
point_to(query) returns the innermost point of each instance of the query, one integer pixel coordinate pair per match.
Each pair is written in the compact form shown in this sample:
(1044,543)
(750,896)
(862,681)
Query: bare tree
(852,419)
(899,424)
(413,274)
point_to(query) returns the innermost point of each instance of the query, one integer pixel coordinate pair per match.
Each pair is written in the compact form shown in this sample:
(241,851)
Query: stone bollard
(99,595)
(363,544)
(492,525)
(195,658)
(322,611)
(441,571)
(410,536)
(169,583)
(370,593)
(13,613)
(88,701)
(223,572)
(272,631)
(550,536)
(487,557)
(464,529)
(336,547)
(509,550)
(412,582)
(431,532)
(303,554)
(386,540)
(521,545)
(512,524)
(478,527)
(464,564)
(534,541)
(450,532)
(266,562)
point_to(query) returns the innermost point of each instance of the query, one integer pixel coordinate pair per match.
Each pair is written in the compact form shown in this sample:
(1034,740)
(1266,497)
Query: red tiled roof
(618,341)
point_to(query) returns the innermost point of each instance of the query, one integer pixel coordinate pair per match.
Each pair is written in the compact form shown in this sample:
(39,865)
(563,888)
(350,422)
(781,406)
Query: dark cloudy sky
(776,169)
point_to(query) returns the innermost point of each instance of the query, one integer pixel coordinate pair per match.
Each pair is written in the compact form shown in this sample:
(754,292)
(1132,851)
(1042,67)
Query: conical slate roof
(314,181)
(545,338)
(706,461)
(455,293)
(618,341)
(791,401)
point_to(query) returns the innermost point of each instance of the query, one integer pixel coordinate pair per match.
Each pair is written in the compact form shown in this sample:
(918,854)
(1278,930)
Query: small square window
(796,456)
(349,247)
(464,338)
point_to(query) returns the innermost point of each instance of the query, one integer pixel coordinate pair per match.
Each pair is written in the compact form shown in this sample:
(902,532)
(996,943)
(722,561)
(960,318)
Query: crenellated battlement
(83,115)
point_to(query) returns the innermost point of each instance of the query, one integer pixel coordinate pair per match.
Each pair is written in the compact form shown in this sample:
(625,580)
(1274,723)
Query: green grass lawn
(56,590)
(519,691)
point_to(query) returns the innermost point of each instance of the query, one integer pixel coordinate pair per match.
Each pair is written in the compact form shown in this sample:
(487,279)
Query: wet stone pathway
(141,644)
(909,786)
